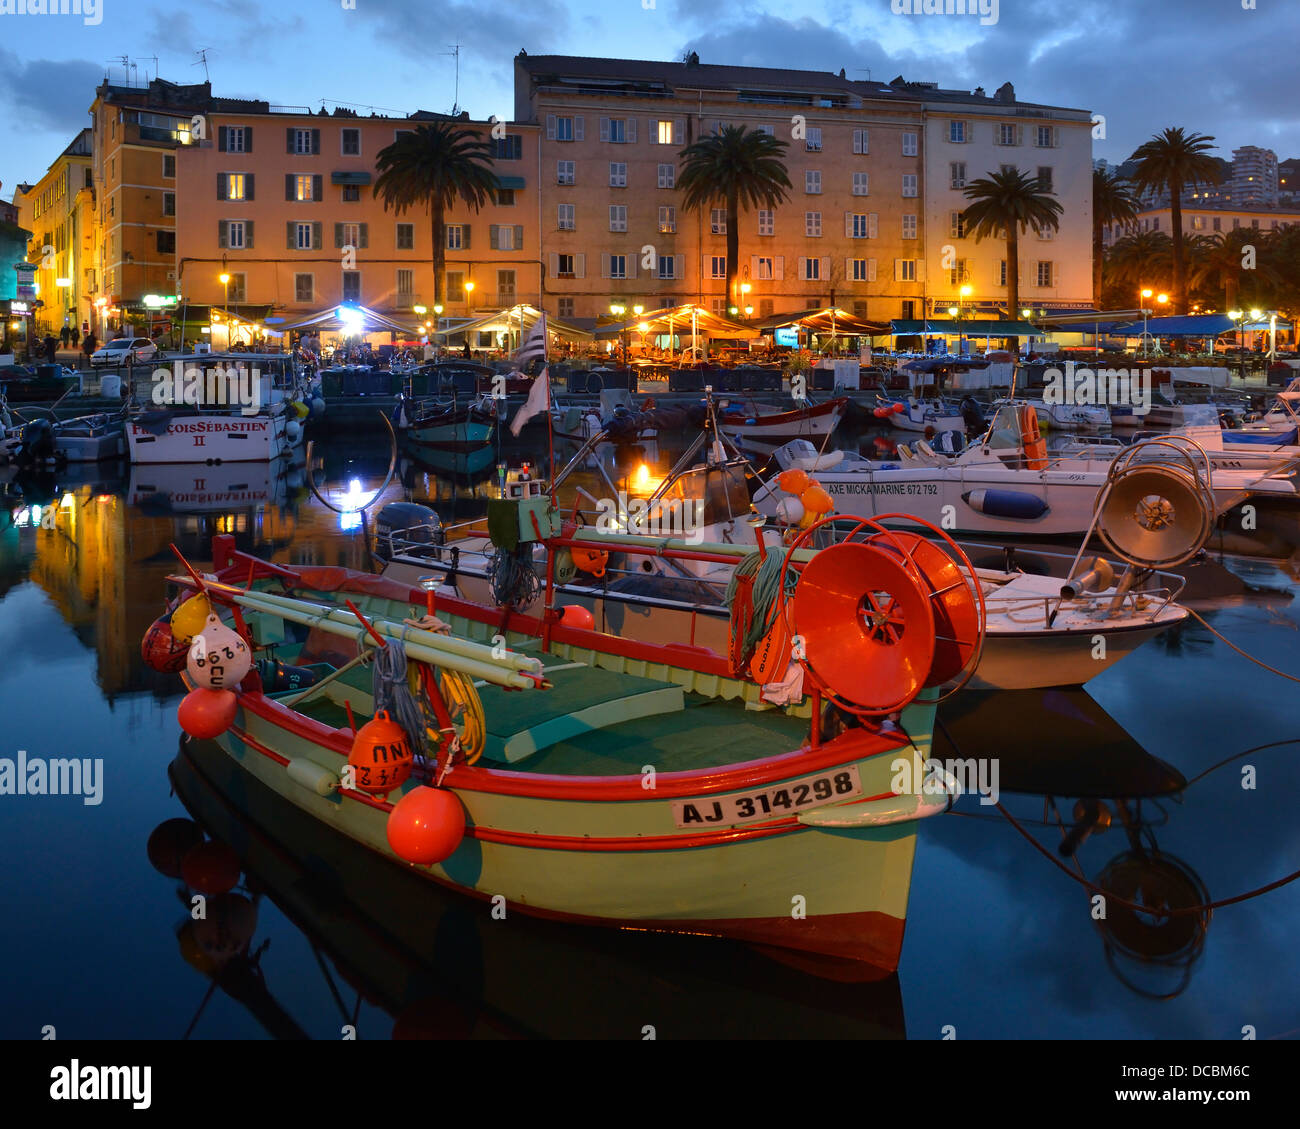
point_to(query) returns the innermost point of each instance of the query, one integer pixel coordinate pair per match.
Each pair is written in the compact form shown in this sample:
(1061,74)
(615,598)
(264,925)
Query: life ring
(1031,438)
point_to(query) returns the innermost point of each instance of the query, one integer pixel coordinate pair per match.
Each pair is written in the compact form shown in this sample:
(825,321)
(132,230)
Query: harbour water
(1001,941)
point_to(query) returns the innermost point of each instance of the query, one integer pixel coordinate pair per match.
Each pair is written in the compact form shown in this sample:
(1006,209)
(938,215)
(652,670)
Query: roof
(823,321)
(514,318)
(968,327)
(1194,325)
(677,320)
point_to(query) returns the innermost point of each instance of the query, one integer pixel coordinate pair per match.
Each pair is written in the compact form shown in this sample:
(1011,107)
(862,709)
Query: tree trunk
(1098,257)
(1176,220)
(733,248)
(439,217)
(1013,283)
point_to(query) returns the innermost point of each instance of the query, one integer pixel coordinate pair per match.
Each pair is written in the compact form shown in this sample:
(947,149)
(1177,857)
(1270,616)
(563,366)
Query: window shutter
(248,139)
(315,142)
(1056,137)
(580,266)
(1020,135)
(223,239)
(493,237)
(826,269)
(871,270)
(848,270)
(631,129)
(464,237)
(221,186)
(318,184)
(555,264)
(803,268)
(778,268)
(338,236)
(898,270)
(289,240)
(288,186)
(288,140)
(248,187)
(604,129)
(365,235)
(221,138)
(871,224)
(604,266)
(577,129)
(519,237)
(677,133)
(679,266)
(550,127)
(317,236)
(920,270)
(848,225)
(633,262)
(248,234)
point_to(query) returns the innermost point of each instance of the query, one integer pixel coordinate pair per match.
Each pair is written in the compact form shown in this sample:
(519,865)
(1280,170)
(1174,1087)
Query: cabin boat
(763,427)
(449,427)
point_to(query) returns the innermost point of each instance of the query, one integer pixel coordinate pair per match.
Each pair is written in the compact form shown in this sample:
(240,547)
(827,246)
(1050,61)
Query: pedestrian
(51,347)
(74,335)
(88,343)
(467,352)
(65,333)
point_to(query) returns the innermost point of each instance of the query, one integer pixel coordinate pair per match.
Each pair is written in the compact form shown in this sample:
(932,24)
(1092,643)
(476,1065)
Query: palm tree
(435,165)
(743,169)
(1139,260)
(1215,264)
(1174,160)
(1006,204)
(1113,202)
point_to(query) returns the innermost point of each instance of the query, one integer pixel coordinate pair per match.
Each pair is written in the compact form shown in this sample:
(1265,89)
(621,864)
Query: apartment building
(283,204)
(1207,220)
(968,136)
(868,223)
(59,212)
(1254,177)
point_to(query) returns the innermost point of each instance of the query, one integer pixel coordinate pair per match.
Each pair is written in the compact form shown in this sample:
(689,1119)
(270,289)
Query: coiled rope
(765,594)
(512,576)
(394,695)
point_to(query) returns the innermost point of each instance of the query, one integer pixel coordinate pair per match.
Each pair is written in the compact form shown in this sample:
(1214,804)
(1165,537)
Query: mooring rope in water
(1223,638)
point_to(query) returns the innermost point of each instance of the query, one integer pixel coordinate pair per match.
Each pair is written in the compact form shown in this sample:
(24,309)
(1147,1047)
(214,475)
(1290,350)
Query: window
(957,174)
(860,141)
(907,309)
(1008,134)
(860,184)
(909,184)
(455,287)
(667,221)
(764,271)
(664,132)
(618,131)
(766,224)
(909,145)
(717,266)
(909,227)
(302,236)
(564,266)
(349,234)
(1048,233)
(1045,137)
(455,237)
(302,188)
(718,306)
(1045,274)
(812,181)
(1044,178)
(813,140)
(1002,272)
(566,217)
(810,269)
(1198,223)
(237,139)
(667,176)
(956,226)
(304,287)
(564,307)
(1218,223)
(618,217)
(302,141)
(236,186)
(167,242)
(351,143)
(564,172)
(770,130)
(718,221)
(505,287)
(406,237)
(508,148)
(235,232)
(238,287)
(856,227)
(1236,223)
(618,266)
(563,130)
(505,237)
(405,286)
(505,197)
(904,270)
(766,307)
(617,174)
(667,266)
(959,272)
(858,272)
(351,194)
(1006,168)
(352,286)
(812,223)
(169,203)
(169,167)
(957,132)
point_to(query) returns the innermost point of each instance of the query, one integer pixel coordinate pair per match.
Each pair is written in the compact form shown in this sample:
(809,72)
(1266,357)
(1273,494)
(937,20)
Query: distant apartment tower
(1254,177)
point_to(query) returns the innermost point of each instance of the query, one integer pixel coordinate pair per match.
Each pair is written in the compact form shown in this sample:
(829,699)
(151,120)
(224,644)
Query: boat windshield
(1004,432)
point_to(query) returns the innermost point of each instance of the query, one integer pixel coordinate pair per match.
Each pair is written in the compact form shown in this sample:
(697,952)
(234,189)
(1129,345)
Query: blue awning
(510,182)
(970,327)
(359,177)
(1192,325)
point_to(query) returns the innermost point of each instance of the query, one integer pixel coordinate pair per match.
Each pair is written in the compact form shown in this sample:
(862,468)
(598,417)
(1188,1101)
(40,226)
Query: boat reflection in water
(443,967)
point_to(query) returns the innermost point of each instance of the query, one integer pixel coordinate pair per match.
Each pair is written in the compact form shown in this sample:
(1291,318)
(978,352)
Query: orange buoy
(426,825)
(170,842)
(160,648)
(205,714)
(590,560)
(575,615)
(793,481)
(219,658)
(210,868)
(380,756)
(816,500)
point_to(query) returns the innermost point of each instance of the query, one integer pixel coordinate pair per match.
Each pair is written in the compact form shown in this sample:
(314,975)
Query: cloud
(43,95)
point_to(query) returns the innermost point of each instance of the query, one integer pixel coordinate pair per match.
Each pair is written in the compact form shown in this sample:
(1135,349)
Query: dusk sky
(1212,66)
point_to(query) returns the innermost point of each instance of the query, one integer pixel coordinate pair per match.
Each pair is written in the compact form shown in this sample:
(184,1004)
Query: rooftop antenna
(125,60)
(155,69)
(864,70)
(202,53)
(455,50)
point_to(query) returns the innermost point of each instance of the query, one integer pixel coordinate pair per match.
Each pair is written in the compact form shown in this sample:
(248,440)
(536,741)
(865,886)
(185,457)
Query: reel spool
(1154,515)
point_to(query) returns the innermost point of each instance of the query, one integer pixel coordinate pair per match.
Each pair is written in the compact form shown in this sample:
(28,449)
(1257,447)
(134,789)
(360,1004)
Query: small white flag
(533,346)
(539,400)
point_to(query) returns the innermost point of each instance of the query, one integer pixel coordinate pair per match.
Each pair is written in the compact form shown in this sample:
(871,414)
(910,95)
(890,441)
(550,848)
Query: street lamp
(1239,317)
(224,279)
(1146,294)
(618,311)
(966,291)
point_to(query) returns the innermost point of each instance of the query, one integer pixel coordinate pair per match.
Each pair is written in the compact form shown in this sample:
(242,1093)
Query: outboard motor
(406,526)
(972,416)
(38,443)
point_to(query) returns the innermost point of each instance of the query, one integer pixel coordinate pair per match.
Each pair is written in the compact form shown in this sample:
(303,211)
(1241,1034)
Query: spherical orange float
(160,648)
(575,615)
(205,714)
(426,825)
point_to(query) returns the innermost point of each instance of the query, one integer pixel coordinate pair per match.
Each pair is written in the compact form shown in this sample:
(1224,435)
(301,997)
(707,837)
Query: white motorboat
(910,413)
(764,427)
(1089,418)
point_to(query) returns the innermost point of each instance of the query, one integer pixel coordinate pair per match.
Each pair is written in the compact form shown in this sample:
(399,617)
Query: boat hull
(212,438)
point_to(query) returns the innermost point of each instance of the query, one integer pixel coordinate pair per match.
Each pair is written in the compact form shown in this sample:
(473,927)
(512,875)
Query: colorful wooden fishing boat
(607,781)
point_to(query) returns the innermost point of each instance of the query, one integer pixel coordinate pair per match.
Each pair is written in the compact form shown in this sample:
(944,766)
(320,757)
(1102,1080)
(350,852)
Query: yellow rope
(458,690)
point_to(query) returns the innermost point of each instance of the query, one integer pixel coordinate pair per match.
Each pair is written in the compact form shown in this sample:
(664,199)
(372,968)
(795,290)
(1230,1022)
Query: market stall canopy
(829,319)
(1193,325)
(508,318)
(354,320)
(677,319)
(965,328)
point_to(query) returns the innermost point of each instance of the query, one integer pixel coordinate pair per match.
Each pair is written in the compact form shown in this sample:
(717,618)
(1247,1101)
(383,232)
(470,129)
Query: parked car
(136,349)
